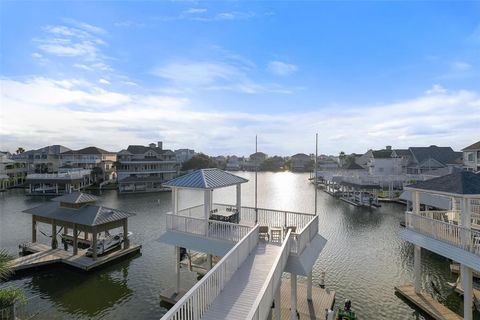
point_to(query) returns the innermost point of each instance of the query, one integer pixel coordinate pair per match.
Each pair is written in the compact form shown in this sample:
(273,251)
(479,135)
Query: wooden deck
(314,310)
(44,255)
(242,290)
(455,269)
(427,303)
(170,297)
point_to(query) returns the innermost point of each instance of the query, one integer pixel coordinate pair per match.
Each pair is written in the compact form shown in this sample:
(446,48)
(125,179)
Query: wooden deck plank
(427,303)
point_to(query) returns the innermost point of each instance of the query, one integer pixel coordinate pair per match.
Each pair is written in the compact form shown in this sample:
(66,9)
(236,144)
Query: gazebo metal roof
(206,179)
(76,197)
(87,215)
(460,183)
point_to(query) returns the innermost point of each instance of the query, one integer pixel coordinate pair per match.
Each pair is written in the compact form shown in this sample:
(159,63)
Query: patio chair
(263,232)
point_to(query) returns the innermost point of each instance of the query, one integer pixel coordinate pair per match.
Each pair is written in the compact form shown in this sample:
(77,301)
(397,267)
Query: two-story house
(183,155)
(145,168)
(92,158)
(301,162)
(471,157)
(430,158)
(255,161)
(43,160)
(384,163)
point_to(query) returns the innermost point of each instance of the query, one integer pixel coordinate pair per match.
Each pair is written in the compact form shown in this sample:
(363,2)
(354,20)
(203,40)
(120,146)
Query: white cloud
(202,15)
(280,68)
(442,117)
(103,81)
(461,66)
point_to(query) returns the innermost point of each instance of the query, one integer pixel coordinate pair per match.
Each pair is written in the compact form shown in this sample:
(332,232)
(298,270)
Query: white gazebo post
(293,295)
(239,199)
(177,269)
(417,252)
(207,206)
(465,272)
(174,201)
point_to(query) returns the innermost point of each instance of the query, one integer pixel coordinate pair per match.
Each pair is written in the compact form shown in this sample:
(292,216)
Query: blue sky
(211,75)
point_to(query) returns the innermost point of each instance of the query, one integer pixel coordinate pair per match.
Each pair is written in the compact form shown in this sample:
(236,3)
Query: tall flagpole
(256,171)
(315,171)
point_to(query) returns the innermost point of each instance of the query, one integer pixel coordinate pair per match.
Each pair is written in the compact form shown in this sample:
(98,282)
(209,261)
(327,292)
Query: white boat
(108,244)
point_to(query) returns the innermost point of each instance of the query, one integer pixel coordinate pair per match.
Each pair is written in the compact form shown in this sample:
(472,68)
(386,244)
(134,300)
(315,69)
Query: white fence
(196,301)
(212,229)
(453,234)
(262,306)
(305,236)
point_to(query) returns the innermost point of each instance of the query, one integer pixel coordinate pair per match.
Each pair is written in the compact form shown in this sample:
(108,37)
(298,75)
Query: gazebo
(77,211)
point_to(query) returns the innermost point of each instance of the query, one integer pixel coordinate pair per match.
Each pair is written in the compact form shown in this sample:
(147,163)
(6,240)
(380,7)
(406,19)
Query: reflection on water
(363,259)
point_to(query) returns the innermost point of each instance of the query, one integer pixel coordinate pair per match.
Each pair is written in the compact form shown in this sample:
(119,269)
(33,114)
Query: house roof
(402,152)
(76,197)
(88,150)
(353,166)
(462,183)
(382,154)
(88,215)
(301,155)
(138,149)
(475,146)
(440,154)
(206,179)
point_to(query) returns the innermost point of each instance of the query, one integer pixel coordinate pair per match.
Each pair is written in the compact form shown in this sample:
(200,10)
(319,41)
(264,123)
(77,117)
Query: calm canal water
(363,259)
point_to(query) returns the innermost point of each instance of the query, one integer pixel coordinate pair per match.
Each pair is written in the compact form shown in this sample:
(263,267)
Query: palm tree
(5,269)
(20,150)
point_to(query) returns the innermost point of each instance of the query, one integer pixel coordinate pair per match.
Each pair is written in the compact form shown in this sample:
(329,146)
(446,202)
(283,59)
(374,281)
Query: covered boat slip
(76,212)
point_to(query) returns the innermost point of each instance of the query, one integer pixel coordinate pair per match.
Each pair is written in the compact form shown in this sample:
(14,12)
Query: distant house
(220,162)
(405,155)
(471,157)
(383,163)
(425,159)
(255,161)
(327,164)
(183,155)
(12,172)
(43,160)
(233,164)
(145,168)
(301,162)
(91,158)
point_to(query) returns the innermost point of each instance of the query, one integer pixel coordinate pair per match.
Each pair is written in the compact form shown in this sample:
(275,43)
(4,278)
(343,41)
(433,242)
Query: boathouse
(257,246)
(74,218)
(453,233)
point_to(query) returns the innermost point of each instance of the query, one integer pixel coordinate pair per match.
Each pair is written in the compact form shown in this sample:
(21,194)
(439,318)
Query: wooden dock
(44,255)
(170,297)
(427,303)
(455,269)
(314,310)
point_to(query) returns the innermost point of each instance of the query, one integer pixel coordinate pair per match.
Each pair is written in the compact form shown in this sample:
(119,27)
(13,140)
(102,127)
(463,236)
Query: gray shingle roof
(465,182)
(88,215)
(382,154)
(440,154)
(475,146)
(76,197)
(353,166)
(402,152)
(88,150)
(206,179)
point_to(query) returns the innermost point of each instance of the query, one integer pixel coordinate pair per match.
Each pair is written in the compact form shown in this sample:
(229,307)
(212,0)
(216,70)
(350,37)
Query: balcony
(438,226)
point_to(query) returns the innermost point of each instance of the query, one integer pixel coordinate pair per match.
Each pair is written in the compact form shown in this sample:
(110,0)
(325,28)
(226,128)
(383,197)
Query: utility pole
(315,171)
(256,171)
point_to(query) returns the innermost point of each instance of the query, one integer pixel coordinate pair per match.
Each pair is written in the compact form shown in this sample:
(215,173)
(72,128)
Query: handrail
(274,210)
(305,236)
(461,237)
(199,298)
(210,228)
(262,305)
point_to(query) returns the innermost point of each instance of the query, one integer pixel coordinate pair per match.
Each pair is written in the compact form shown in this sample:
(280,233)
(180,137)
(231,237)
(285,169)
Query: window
(470,156)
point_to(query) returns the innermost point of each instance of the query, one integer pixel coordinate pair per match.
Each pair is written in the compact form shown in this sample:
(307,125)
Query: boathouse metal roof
(206,179)
(88,215)
(461,183)
(76,197)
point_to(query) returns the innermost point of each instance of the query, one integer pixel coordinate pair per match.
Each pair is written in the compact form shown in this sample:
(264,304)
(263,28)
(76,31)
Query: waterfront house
(63,182)
(254,161)
(301,162)
(43,160)
(433,157)
(384,163)
(233,163)
(183,155)
(92,158)
(12,172)
(452,232)
(471,157)
(145,168)
(256,249)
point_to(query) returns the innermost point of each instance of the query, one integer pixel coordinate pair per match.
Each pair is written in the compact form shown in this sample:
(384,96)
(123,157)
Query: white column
(293,295)
(278,302)
(174,201)
(467,281)
(417,268)
(207,206)
(209,261)
(309,286)
(239,197)
(177,269)
(416,202)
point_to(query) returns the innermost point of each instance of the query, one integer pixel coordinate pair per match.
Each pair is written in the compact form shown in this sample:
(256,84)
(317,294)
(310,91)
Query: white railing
(271,217)
(306,235)
(196,211)
(262,306)
(66,175)
(464,238)
(196,301)
(209,228)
